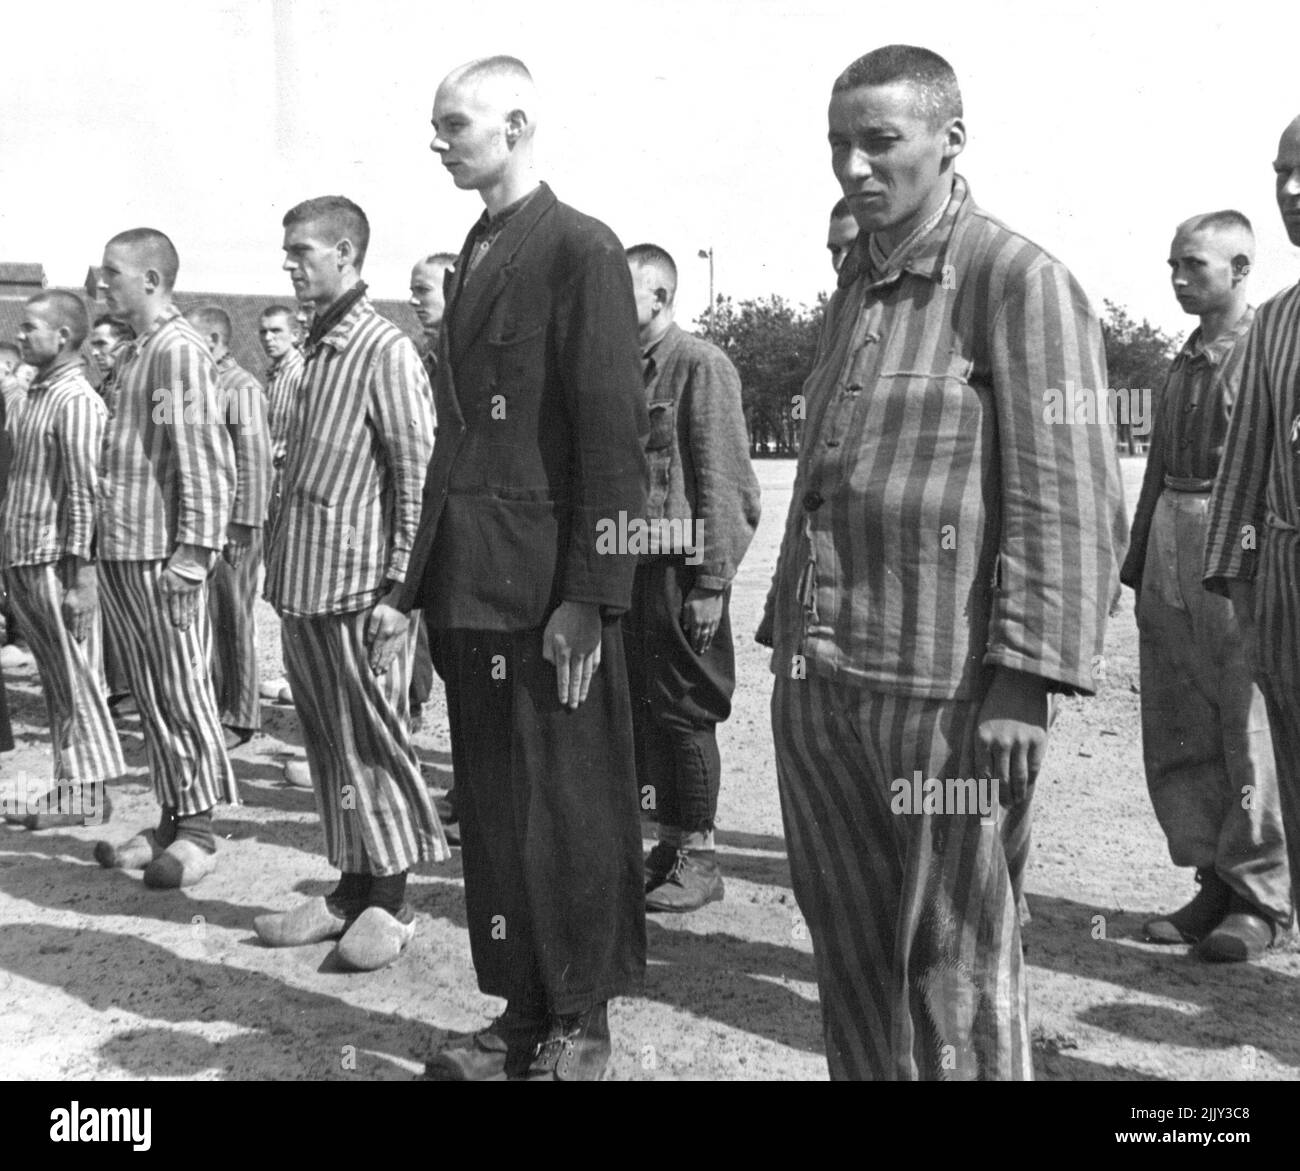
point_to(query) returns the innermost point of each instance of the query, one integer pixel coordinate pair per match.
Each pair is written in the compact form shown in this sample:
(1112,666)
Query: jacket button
(812,501)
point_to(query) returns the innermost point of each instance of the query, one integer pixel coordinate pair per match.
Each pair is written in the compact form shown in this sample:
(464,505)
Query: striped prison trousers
(913,916)
(167,670)
(82,737)
(232,592)
(374,805)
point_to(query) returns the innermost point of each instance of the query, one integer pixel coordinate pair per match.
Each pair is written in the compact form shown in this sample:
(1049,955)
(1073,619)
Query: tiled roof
(19,279)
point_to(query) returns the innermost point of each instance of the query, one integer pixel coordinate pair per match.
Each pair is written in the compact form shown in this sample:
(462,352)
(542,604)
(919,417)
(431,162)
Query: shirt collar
(288,358)
(922,254)
(1214,352)
(55,373)
(340,333)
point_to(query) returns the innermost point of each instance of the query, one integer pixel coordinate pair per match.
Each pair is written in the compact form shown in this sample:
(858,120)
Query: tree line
(773,343)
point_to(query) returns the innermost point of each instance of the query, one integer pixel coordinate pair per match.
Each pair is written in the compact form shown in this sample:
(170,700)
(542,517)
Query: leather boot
(1244,934)
(1196,919)
(576,1048)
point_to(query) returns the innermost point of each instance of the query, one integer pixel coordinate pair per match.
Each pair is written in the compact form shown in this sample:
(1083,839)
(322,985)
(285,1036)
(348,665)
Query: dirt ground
(102,978)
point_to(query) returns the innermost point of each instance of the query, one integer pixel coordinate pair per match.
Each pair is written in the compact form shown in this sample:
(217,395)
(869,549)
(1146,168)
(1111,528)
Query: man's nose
(857,165)
(438,145)
(1292,186)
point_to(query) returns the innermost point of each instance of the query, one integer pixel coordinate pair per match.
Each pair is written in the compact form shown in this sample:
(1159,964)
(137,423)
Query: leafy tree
(1137,359)
(772,344)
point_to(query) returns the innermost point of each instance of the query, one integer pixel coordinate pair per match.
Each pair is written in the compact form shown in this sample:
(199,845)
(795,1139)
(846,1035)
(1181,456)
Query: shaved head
(209,319)
(150,249)
(1227,232)
(63,310)
(1286,169)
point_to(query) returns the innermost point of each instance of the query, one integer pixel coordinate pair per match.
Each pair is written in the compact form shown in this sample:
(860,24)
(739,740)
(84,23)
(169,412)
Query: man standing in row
(840,234)
(1205,735)
(281,337)
(349,508)
(109,335)
(541,419)
(428,299)
(232,589)
(167,485)
(681,662)
(1253,545)
(46,524)
(947,564)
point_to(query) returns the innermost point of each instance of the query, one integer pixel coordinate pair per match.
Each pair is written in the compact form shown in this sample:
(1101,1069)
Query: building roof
(21,280)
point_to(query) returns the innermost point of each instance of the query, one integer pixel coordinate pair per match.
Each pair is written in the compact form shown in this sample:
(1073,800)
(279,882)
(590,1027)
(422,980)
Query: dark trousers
(678,698)
(549,821)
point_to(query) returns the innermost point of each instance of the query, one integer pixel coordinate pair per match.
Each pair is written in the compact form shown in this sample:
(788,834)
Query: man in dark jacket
(701,515)
(541,422)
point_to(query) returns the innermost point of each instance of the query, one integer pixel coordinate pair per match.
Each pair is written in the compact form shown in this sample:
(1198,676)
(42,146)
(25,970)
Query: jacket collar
(340,333)
(927,255)
(1214,352)
(480,289)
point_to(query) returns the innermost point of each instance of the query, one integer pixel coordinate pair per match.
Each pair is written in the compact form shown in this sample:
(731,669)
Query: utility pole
(707,254)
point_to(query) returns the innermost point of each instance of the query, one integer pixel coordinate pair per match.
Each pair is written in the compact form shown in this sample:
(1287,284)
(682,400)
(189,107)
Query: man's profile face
(123,281)
(469,135)
(645,286)
(304,315)
(1200,268)
(39,339)
(276,333)
(104,347)
(839,238)
(885,155)
(426,295)
(1287,169)
(312,261)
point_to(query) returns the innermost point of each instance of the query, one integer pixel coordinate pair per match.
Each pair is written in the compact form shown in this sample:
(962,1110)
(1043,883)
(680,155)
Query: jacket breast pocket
(659,449)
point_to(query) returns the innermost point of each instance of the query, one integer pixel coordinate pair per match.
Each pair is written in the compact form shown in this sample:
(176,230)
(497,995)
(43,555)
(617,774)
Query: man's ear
(1240,266)
(516,124)
(346,253)
(152,280)
(955,139)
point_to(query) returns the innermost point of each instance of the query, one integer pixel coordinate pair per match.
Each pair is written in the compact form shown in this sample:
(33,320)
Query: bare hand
(386,630)
(80,601)
(701,613)
(238,539)
(181,597)
(571,641)
(1011,740)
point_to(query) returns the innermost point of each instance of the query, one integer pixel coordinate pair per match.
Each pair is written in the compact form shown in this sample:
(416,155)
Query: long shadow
(1240,1004)
(286,1032)
(42,877)
(732,980)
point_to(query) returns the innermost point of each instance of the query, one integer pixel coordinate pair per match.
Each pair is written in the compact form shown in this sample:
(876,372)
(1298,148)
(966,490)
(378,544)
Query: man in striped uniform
(232,589)
(947,563)
(350,505)
(167,485)
(46,524)
(428,278)
(109,335)
(1205,736)
(1252,550)
(281,336)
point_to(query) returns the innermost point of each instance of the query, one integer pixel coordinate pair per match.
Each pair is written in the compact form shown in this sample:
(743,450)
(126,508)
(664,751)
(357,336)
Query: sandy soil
(102,978)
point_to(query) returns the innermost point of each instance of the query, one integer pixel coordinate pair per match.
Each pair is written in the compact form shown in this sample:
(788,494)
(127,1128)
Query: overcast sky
(1093,128)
